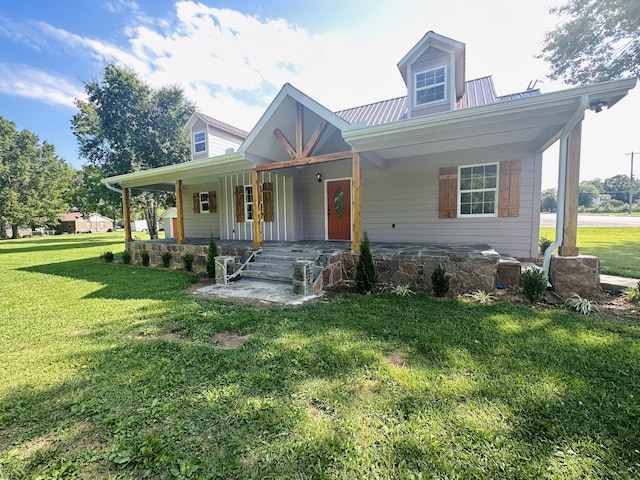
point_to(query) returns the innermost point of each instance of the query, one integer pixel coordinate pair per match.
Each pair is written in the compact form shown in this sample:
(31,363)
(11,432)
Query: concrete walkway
(611,282)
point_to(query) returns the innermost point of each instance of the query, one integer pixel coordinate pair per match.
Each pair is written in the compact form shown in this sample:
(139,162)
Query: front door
(339,210)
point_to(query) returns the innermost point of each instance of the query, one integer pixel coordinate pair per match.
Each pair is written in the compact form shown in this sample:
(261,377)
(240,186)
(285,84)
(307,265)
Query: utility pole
(631,180)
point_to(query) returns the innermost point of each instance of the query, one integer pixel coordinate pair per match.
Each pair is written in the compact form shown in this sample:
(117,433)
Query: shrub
(632,294)
(187,259)
(482,297)
(534,285)
(145,259)
(107,256)
(544,243)
(365,276)
(440,281)
(402,290)
(166,259)
(581,305)
(212,253)
(126,257)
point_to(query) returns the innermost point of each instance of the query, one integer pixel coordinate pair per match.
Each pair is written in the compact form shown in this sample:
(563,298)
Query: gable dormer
(434,74)
(211,137)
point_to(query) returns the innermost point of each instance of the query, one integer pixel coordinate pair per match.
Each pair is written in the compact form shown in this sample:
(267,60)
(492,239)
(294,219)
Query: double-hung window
(199,142)
(204,202)
(430,86)
(478,190)
(248,203)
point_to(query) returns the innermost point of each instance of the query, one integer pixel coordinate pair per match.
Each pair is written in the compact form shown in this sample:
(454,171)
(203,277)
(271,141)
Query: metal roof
(478,92)
(223,126)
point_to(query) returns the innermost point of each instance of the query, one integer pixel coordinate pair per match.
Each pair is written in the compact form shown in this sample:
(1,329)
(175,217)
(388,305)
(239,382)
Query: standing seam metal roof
(478,92)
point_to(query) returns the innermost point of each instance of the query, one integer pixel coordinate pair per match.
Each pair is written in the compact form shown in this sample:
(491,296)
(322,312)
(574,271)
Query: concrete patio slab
(255,290)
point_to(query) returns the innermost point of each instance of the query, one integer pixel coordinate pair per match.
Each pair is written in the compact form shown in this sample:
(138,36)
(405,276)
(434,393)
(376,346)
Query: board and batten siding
(283,226)
(400,204)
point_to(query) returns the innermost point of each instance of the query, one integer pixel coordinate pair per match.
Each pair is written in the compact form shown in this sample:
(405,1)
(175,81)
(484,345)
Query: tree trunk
(151,216)
(15,233)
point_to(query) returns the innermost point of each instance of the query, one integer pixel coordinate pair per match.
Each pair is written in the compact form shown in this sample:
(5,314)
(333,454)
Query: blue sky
(232,57)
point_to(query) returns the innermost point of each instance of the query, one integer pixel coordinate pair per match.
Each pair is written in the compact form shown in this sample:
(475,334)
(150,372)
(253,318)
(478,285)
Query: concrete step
(287,255)
(274,276)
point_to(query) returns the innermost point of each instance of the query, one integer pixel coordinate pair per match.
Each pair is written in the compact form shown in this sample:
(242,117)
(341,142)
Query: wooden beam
(126,213)
(298,162)
(257,209)
(299,132)
(315,136)
(180,212)
(285,143)
(356,198)
(569,247)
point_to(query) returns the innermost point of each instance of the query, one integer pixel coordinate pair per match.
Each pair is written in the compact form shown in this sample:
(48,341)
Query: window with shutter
(213,202)
(509,191)
(196,203)
(448,202)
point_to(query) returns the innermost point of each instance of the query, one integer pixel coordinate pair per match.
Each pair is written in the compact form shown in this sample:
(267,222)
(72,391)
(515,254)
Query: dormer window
(430,86)
(199,142)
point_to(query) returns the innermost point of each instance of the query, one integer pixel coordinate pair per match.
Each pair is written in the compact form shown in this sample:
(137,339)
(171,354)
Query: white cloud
(29,82)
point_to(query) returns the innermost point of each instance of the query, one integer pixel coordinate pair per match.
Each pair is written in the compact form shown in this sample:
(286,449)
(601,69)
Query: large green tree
(596,40)
(34,181)
(587,194)
(127,126)
(89,195)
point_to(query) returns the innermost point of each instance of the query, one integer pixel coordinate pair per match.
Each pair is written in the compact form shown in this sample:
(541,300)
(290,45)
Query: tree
(617,187)
(587,193)
(549,201)
(89,195)
(34,181)
(126,126)
(598,40)
(366,276)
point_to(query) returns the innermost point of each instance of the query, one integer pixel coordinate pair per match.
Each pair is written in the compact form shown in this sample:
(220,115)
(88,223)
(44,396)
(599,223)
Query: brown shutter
(267,202)
(240,203)
(213,204)
(196,203)
(448,201)
(509,188)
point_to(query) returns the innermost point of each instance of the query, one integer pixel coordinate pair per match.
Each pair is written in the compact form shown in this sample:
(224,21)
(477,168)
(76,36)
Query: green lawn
(617,247)
(108,371)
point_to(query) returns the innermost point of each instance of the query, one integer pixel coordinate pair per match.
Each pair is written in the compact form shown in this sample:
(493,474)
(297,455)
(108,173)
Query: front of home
(451,162)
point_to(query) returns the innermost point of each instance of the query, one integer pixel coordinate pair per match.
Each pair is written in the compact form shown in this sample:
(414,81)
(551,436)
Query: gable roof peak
(214,122)
(434,39)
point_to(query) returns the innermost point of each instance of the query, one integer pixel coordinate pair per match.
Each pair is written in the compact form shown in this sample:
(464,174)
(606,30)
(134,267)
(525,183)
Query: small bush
(126,257)
(166,259)
(187,259)
(581,305)
(402,290)
(632,294)
(534,285)
(145,259)
(365,276)
(107,256)
(440,281)
(482,297)
(544,243)
(212,253)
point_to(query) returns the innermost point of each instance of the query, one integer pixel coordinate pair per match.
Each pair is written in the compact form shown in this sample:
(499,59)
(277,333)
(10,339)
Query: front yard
(110,371)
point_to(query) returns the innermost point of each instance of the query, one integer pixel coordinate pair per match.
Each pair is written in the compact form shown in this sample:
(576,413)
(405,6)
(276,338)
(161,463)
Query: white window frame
(433,86)
(248,193)
(204,204)
(202,142)
(483,189)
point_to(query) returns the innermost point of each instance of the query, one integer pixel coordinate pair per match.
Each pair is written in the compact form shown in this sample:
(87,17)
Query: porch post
(569,246)
(126,213)
(257,209)
(180,212)
(356,197)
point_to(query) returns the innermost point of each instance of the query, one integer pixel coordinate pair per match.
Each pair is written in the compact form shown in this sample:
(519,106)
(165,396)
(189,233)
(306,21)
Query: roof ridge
(224,125)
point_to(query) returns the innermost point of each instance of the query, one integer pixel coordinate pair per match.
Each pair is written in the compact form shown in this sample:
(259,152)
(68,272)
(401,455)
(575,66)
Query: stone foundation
(580,275)
(155,251)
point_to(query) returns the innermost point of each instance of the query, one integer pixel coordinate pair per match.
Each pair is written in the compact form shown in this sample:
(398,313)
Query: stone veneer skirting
(470,267)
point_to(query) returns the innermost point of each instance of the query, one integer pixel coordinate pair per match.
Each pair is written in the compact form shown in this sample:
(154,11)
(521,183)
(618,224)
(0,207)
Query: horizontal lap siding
(200,225)
(405,193)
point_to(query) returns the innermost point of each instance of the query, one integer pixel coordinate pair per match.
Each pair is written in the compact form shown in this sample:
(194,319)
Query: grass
(110,372)
(617,247)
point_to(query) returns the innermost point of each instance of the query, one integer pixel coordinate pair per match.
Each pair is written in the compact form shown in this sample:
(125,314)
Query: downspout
(562,177)
(111,187)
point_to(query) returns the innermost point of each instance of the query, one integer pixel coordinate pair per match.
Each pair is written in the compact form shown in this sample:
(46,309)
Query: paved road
(549,220)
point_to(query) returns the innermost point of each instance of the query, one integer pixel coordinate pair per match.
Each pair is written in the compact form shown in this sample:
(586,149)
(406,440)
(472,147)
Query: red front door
(339,210)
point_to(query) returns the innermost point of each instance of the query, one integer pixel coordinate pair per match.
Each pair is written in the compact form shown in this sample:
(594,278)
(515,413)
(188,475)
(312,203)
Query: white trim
(326,207)
(496,189)
(444,84)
